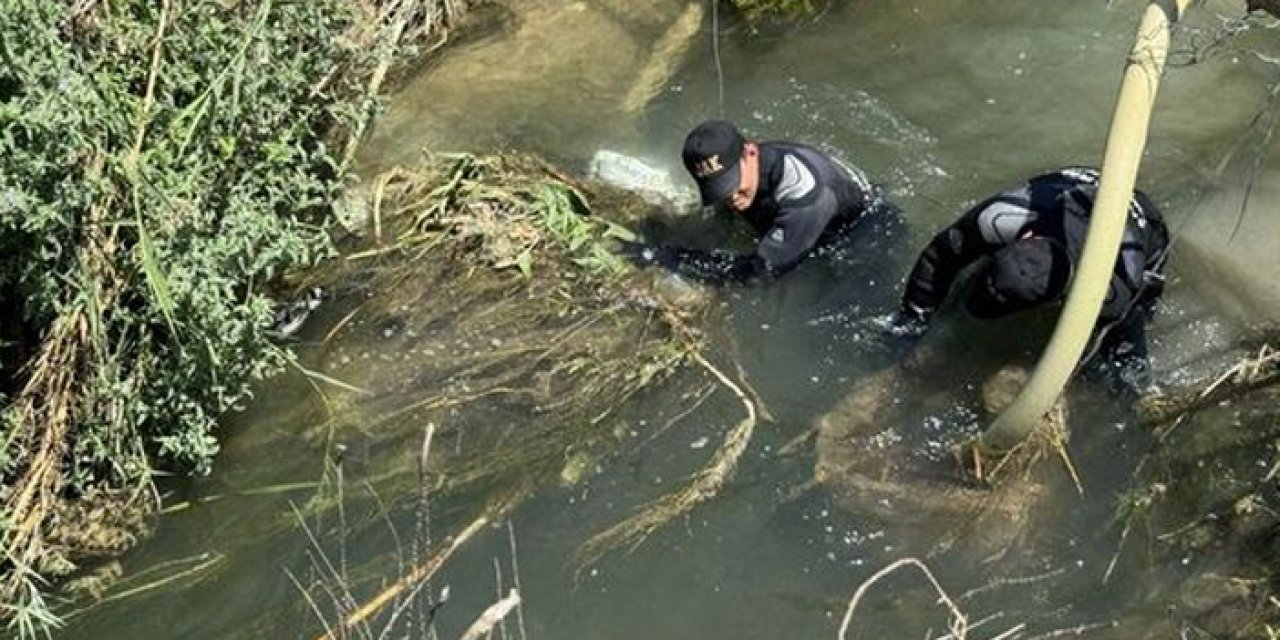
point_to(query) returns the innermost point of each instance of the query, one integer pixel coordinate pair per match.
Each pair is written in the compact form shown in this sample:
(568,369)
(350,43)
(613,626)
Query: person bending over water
(1029,239)
(795,198)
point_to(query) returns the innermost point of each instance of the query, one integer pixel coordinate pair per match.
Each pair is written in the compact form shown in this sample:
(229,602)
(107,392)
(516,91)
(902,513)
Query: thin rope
(715,50)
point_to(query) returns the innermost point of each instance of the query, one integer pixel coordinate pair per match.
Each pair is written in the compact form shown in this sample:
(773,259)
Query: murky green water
(942,102)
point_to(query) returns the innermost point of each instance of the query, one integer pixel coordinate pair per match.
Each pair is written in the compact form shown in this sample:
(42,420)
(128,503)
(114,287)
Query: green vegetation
(484,312)
(160,163)
(511,258)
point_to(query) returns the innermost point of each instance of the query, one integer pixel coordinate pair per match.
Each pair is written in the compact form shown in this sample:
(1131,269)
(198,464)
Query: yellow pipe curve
(1120,162)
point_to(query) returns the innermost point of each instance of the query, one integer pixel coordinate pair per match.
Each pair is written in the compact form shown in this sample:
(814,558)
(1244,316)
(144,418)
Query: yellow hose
(1120,162)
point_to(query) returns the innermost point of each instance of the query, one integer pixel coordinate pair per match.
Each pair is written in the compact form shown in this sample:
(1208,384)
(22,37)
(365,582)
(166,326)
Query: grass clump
(160,162)
(492,279)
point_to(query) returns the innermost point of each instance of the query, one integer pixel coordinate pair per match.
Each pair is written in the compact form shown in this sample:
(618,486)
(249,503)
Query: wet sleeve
(1116,305)
(1120,328)
(714,267)
(1116,308)
(796,230)
(950,251)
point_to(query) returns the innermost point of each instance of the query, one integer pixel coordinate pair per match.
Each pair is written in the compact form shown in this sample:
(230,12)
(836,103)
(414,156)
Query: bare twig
(492,616)
(515,578)
(424,571)
(958,622)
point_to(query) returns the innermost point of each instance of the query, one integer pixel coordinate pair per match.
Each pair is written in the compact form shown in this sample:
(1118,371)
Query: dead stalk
(495,614)
(958,624)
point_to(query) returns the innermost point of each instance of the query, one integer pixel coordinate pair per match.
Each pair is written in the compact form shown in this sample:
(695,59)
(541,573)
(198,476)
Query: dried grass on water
(504,264)
(522,254)
(704,486)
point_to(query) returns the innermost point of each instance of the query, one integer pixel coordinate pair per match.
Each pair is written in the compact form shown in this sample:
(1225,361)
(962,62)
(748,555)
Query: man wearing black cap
(794,197)
(1031,237)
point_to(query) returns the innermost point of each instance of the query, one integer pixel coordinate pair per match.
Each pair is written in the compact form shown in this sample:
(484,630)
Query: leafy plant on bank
(160,162)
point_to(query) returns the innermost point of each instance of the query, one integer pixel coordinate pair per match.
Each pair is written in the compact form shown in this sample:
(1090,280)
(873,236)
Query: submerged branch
(706,484)
(424,571)
(1250,374)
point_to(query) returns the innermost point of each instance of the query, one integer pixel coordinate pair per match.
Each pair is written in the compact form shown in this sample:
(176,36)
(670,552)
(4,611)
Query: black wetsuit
(1056,206)
(804,198)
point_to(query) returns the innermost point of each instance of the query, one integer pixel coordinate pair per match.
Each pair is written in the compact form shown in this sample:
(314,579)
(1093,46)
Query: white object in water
(655,185)
(290,317)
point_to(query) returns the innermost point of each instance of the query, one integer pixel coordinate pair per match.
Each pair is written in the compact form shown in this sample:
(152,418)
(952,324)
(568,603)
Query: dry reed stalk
(1248,375)
(387,28)
(424,571)
(958,623)
(47,409)
(496,612)
(49,402)
(409,580)
(515,578)
(389,39)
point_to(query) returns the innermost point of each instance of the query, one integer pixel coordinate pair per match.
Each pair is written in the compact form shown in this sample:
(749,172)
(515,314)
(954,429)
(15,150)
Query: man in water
(794,197)
(1029,239)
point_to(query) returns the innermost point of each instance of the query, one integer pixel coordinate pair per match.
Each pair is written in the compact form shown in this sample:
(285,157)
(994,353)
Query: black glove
(1126,377)
(908,322)
(643,255)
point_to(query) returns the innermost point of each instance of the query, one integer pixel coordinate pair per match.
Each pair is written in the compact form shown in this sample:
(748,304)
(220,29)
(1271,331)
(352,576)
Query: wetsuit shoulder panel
(1002,222)
(797,180)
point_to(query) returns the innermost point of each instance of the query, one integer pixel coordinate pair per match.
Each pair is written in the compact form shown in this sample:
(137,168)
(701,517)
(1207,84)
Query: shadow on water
(940,102)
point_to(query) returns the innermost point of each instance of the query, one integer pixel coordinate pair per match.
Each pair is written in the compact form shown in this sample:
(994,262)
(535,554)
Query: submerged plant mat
(1208,488)
(704,486)
(493,307)
(515,330)
(870,473)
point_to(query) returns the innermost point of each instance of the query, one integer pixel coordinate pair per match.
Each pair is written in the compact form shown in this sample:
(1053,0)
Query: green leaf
(524,262)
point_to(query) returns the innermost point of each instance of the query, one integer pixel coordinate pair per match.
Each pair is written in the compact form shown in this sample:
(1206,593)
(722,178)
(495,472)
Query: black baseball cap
(1022,275)
(713,155)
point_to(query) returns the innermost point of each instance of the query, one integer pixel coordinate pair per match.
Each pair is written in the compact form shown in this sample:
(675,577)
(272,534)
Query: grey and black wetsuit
(805,197)
(1056,206)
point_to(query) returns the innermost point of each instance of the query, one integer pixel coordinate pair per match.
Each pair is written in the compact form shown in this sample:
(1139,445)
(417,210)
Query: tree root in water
(958,622)
(959,626)
(667,54)
(1047,438)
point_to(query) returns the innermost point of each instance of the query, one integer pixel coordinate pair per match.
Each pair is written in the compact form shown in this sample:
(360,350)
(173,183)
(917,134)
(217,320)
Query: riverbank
(155,181)
(479,344)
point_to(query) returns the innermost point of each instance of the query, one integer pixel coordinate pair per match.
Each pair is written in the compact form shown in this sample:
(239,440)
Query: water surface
(941,103)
